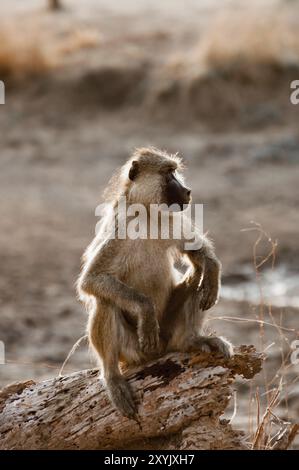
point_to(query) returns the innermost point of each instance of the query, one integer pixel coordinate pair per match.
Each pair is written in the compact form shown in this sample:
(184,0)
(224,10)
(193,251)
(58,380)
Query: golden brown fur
(137,305)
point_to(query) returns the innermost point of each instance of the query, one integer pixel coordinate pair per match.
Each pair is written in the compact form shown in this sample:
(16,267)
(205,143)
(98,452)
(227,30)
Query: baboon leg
(105,319)
(184,319)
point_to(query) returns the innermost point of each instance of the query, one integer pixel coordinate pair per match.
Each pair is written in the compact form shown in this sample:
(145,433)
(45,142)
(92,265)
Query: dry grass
(269,424)
(22,53)
(241,57)
(253,37)
(272,432)
(29,47)
(244,38)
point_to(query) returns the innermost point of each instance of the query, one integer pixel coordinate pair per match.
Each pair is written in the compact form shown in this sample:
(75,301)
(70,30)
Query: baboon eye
(133,170)
(169,175)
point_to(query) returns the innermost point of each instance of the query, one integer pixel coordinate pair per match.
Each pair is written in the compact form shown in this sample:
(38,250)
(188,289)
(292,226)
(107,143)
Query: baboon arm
(106,286)
(207,272)
(203,258)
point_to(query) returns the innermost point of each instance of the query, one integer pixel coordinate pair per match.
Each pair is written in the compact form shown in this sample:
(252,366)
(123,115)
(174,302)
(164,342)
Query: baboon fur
(139,305)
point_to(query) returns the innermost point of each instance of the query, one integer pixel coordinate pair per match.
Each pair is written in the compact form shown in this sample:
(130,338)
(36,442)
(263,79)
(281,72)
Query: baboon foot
(211,344)
(121,396)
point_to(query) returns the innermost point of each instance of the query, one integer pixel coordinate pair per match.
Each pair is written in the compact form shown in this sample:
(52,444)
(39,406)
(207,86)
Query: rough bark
(181,400)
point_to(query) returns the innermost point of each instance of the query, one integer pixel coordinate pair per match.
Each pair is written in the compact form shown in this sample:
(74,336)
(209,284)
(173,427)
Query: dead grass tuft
(27,48)
(22,53)
(251,38)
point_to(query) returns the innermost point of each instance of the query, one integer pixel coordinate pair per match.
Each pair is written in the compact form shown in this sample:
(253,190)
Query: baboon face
(155,180)
(175,192)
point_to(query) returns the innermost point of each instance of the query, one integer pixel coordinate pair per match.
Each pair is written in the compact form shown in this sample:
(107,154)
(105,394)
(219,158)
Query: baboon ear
(133,170)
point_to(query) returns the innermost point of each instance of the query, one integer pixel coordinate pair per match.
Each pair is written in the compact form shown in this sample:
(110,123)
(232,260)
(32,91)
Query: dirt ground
(126,74)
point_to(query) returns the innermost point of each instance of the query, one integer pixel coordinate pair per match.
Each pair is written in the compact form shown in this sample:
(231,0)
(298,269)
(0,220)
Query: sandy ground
(61,139)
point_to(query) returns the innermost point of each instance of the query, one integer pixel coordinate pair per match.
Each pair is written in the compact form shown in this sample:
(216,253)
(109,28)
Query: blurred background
(88,82)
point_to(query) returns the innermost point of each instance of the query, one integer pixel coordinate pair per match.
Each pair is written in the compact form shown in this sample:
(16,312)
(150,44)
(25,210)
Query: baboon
(139,306)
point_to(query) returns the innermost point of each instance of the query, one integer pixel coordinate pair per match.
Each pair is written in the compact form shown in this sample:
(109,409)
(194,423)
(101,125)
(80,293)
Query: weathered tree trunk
(182,397)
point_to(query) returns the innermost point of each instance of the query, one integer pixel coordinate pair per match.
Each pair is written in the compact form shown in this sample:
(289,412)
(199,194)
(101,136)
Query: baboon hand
(210,286)
(210,294)
(148,331)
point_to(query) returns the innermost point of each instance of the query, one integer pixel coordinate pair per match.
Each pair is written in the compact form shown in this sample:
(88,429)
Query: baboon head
(154,178)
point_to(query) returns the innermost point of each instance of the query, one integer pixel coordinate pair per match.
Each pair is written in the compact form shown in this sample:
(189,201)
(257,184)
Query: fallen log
(181,399)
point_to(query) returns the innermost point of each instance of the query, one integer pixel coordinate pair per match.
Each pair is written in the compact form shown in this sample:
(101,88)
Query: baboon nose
(188,192)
